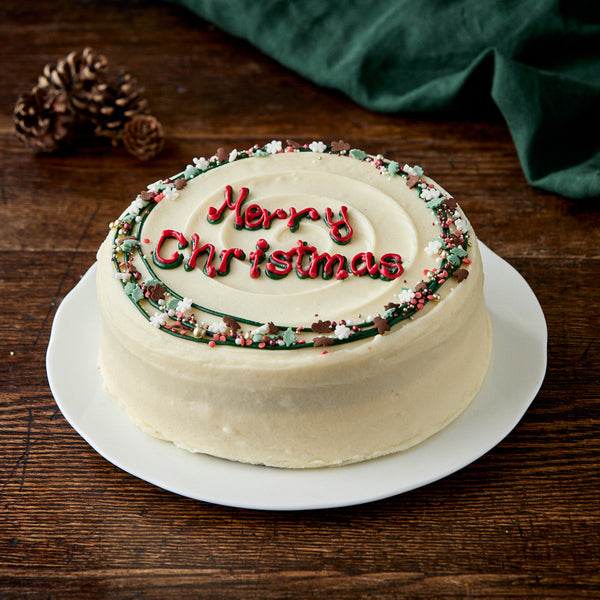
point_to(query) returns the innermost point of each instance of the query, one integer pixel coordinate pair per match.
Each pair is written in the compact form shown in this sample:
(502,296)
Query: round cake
(293,305)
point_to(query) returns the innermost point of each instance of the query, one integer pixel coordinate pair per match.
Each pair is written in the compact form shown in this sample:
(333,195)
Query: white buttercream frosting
(254,394)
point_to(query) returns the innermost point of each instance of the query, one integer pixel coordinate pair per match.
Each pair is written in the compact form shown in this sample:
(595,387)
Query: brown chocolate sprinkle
(323,341)
(461,274)
(180,183)
(455,239)
(146,195)
(381,325)
(272,329)
(293,144)
(421,286)
(157,292)
(391,305)
(412,181)
(231,323)
(450,203)
(321,326)
(340,146)
(222,155)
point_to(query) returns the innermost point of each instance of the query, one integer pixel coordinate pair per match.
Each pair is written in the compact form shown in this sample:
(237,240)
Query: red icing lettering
(279,265)
(216,215)
(226,258)
(268,217)
(390,266)
(176,258)
(301,250)
(253,217)
(296,215)
(197,250)
(334,226)
(257,256)
(327,261)
(369,265)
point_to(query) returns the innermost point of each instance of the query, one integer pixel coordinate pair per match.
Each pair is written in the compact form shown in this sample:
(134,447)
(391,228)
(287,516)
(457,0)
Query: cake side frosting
(287,305)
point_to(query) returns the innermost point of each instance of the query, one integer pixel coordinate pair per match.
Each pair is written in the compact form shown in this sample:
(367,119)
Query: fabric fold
(537,61)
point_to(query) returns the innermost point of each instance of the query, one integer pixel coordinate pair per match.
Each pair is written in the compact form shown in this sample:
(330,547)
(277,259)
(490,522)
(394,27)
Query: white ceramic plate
(514,378)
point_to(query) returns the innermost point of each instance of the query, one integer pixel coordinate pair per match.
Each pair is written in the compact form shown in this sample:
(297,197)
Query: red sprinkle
(324,352)
(261,345)
(212,344)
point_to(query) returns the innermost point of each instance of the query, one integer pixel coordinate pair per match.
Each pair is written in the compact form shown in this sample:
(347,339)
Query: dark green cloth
(538,61)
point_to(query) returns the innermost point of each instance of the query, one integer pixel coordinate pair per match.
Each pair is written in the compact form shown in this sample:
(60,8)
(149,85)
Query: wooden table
(521,522)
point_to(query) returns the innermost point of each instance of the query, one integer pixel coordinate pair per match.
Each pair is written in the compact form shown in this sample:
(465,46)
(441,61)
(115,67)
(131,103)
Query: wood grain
(521,522)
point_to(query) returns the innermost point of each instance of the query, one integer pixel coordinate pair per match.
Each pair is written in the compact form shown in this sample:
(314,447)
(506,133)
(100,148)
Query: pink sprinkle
(467,261)
(248,342)
(222,338)
(261,345)
(216,336)
(212,344)
(324,352)
(146,241)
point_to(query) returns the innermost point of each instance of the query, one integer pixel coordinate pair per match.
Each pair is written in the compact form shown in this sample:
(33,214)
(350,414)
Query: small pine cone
(76,74)
(112,103)
(42,118)
(143,136)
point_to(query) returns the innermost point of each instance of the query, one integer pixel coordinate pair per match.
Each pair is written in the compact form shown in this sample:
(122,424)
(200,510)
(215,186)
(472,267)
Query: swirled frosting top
(288,246)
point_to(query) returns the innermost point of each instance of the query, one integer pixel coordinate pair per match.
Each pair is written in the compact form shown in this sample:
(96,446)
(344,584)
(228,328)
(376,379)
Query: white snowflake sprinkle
(170,193)
(122,276)
(184,305)
(200,163)
(405,295)
(218,327)
(433,247)
(233,155)
(317,147)
(342,332)
(430,193)
(273,147)
(461,225)
(135,206)
(158,319)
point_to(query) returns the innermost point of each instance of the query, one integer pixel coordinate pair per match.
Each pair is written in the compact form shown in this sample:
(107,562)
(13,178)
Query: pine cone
(42,118)
(80,89)
(143,136)
(78,73)
(112,103)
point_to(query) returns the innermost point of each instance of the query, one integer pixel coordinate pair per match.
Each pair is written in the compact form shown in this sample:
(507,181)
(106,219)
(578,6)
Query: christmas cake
(293,305)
